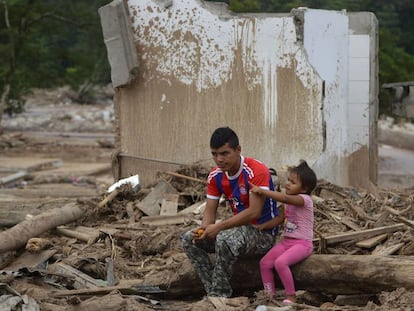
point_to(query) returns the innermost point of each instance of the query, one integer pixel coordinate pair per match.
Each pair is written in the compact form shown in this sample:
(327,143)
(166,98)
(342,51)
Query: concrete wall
(281,81)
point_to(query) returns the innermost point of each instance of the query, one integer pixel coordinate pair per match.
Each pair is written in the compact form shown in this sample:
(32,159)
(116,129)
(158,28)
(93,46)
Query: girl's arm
(294,199)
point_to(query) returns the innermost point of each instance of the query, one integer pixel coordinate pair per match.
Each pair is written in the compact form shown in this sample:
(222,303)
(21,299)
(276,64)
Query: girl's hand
(255,189)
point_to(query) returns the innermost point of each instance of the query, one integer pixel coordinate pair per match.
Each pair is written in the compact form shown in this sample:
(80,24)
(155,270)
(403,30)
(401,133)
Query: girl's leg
(298,250)
(266,267)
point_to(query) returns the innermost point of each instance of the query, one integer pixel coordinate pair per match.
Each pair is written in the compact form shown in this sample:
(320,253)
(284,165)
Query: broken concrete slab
(151,204)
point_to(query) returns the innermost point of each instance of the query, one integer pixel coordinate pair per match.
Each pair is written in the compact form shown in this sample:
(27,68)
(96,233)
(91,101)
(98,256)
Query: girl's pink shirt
(299,220)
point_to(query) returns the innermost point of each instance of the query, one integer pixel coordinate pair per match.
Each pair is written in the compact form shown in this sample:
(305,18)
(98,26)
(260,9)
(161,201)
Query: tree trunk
(17,236)
(331,274)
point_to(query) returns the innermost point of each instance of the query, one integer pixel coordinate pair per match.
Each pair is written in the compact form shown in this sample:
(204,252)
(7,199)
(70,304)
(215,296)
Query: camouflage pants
(229,245)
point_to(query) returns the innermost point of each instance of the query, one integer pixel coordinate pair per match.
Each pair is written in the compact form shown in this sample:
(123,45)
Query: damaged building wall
(362,149)
(281,81)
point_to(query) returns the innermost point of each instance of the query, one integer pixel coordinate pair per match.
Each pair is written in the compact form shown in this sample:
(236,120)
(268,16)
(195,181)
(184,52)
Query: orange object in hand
(200,232)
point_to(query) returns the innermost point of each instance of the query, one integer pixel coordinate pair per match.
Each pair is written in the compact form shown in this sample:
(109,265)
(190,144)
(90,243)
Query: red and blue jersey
(236,188)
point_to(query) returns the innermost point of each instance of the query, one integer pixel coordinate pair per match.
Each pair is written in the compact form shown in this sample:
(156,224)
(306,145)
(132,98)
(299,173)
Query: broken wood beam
(186,177)
(387,250)
(371,242)
(108,198)
(362,234)
(30,260)
(163,220)
(82,236)
(13,177)
(124,289)
(17,236)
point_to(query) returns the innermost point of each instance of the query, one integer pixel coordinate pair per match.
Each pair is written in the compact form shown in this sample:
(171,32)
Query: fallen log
(331,274)
(17,236)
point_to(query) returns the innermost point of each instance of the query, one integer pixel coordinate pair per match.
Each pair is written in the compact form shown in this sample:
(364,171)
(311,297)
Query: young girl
(296,242)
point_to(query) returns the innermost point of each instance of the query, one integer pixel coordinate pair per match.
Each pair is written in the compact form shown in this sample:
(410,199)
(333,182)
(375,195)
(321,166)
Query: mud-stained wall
(201,67)
(199,70)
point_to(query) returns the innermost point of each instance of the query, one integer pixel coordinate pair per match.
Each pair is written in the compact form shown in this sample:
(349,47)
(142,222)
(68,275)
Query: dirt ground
(58,154)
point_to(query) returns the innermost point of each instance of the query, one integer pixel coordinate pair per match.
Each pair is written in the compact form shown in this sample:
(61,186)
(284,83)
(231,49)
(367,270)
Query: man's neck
(237,168)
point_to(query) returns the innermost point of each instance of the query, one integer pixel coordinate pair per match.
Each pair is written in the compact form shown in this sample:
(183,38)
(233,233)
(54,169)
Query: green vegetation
(50,43)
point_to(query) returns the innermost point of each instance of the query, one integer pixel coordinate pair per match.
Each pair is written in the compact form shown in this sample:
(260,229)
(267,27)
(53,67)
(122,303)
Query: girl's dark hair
(306,175)
(223,135)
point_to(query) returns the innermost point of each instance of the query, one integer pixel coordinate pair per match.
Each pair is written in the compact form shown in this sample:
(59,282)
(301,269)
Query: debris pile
(120,250)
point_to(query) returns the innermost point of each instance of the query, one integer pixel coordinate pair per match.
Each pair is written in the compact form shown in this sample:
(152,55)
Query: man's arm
(209,218)
(243,218)
(210,212)
(275,221)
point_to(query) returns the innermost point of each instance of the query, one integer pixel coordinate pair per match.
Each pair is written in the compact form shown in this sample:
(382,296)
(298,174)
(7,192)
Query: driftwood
(331,274)
(109,198)
(355,274)
(17,236)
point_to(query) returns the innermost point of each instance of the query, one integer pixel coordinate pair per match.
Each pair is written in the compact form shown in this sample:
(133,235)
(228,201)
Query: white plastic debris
(133,180)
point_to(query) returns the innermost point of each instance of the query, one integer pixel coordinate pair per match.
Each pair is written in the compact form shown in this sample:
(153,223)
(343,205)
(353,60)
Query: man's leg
(198,255)
(231,244)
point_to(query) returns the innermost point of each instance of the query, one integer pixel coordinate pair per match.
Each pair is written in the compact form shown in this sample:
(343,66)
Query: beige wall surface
(201,66)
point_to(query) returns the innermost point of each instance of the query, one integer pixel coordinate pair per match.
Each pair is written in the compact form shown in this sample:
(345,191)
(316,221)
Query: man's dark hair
(306,175)
(223,135)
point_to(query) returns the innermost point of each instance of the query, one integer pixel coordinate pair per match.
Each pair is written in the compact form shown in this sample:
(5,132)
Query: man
(236,236)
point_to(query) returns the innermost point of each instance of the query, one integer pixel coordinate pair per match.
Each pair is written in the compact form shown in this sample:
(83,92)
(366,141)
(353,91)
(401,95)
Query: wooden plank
(165,219)
(348,222)
(82,236)
(169,204)
(13,177)
(362,234)
(371,242)
(385,251)
(30,260)
(197,207)
(82,280)
(186,177)
(126,290)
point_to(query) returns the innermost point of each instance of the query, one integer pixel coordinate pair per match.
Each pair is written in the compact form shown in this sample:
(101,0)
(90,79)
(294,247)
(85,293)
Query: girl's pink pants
(284,254)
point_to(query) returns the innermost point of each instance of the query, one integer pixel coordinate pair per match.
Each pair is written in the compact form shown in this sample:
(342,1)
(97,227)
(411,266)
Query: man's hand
(197,233)
(208,233)
(211,231)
